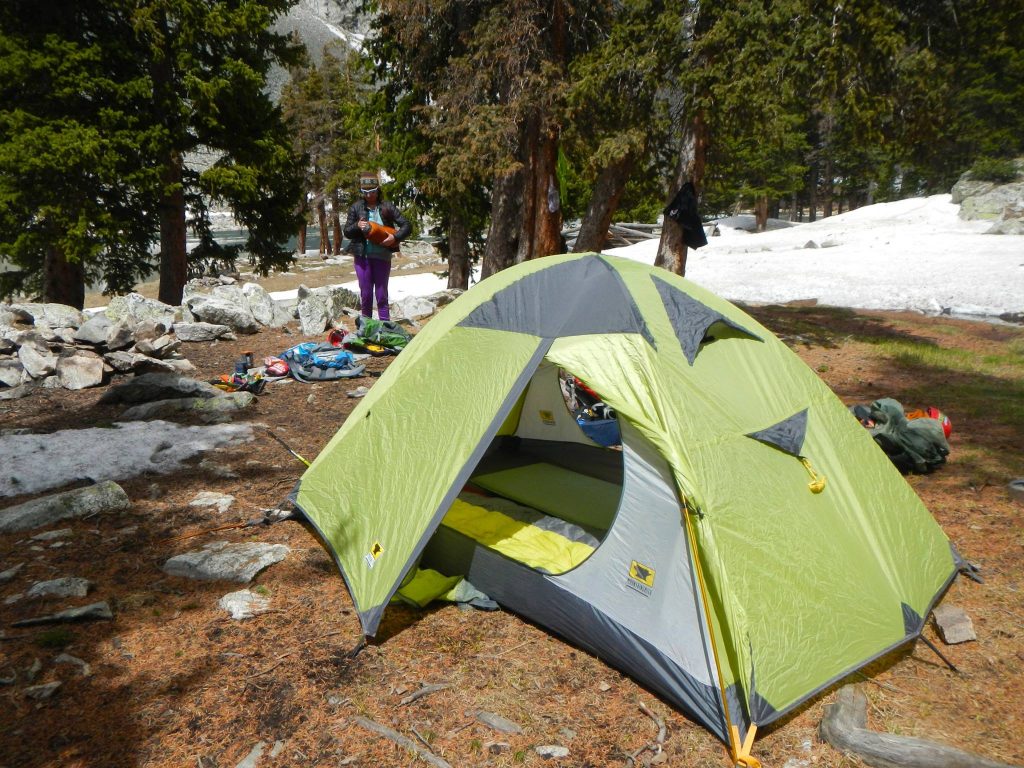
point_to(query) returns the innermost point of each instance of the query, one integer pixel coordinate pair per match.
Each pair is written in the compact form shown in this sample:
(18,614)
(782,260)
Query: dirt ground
(176,682)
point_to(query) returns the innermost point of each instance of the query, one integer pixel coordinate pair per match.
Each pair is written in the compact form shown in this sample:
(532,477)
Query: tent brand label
(371,557)
(641,578)
(547,417)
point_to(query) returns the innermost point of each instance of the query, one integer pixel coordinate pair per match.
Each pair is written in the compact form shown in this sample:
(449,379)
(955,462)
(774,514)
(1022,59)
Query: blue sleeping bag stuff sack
(320,361)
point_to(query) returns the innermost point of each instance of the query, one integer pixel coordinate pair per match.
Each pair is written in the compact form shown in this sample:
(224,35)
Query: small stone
(60,533)
(226,562)
(218,470)
(44,691)
(244,604)
(498,723)
(222,501)
(10,573)
(954,624)
(69,586)
(548,751)
(67,658)
(358,392)
(253,758)
(497,747)
(83,613)
(603,686)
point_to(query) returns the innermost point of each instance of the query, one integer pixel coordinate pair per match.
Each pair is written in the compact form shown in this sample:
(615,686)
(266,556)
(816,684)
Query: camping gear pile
(747,547)
(321,361)
(915,441)
(373,336)
(595,418)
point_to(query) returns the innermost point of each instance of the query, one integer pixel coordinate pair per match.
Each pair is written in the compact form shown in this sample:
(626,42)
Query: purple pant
(373,277)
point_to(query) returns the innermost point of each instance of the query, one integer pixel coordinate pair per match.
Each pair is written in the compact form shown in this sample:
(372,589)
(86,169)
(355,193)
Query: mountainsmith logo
(371,557)
(641,578)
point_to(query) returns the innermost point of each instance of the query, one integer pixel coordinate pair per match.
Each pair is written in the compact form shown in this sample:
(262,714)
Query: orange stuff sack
(379,233)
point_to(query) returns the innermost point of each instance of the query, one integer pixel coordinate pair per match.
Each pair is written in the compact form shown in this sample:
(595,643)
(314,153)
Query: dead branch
(271,668)
(426,690)
(844,726)
(658,721)
(499,655)
(425,754)
(656,745)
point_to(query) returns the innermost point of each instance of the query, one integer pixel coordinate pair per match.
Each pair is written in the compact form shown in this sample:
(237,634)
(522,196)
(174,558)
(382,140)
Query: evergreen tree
(414,43)
(327,110)
(77,191)
(745,89)
(962,88)
(208,61)
(617,107)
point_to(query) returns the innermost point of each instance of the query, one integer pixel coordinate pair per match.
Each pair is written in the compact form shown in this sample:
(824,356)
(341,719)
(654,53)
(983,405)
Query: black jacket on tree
(683,210)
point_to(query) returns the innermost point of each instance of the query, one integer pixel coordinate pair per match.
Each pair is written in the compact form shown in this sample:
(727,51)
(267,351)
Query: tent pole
(939,653)
(739,751)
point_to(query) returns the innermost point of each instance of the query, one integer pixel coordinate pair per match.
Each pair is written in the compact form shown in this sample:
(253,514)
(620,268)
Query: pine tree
(208,61)
(76,189)
(617,107)
(415,43)
(326,108)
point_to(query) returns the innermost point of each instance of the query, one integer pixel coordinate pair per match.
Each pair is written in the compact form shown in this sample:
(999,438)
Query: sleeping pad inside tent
(745,547)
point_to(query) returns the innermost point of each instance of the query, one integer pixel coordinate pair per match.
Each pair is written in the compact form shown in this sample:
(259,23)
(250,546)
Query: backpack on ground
(321,361)
(913,445)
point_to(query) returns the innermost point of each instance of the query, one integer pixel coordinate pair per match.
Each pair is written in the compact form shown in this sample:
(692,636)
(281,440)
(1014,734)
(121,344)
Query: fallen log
(844,726)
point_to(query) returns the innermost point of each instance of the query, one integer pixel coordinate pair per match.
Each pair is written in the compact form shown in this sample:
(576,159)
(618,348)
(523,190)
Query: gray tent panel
(538,598)
(788,435)
(691,318)
(912,621)
(574,298)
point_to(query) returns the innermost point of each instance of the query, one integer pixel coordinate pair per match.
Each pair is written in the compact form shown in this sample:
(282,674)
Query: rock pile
(57,346)
(52,345)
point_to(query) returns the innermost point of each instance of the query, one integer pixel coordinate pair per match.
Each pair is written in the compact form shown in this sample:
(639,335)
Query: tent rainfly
(747,546)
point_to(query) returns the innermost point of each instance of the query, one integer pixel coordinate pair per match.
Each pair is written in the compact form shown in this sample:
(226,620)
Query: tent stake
(939,653)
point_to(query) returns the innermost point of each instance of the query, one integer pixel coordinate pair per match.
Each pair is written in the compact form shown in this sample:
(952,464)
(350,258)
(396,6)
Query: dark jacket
(683,210)
(389,214)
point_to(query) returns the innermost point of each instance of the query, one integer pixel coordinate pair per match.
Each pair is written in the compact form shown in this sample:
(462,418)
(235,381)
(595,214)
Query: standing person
(373,259)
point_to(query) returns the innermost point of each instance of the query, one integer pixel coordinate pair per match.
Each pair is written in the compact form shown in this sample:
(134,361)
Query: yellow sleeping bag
(535,547)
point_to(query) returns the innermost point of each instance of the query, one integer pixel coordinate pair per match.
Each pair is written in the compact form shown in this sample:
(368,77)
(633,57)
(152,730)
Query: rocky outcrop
(1002,204)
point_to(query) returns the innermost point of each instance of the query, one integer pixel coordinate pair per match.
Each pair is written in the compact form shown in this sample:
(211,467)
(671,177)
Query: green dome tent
(747,546)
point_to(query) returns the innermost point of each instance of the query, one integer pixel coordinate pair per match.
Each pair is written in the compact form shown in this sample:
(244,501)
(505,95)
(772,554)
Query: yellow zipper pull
(817,484)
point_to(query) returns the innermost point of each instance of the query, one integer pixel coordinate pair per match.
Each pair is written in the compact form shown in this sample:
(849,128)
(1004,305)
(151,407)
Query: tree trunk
(604,201)
(761,213)
(672,250)
(503,232)
(458,252)
(812,194)
(63,281)
(300,247)
(827,189)
(336,223)
(547,233)
(325,235)
(173,259)
(528,181)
